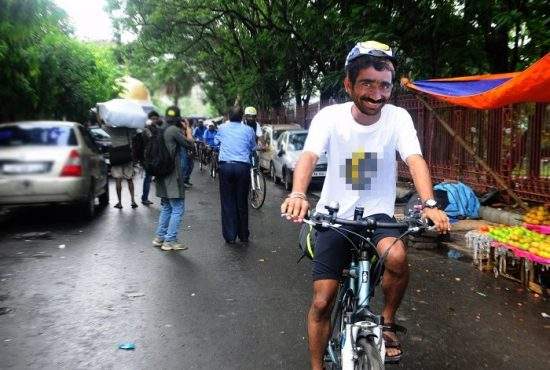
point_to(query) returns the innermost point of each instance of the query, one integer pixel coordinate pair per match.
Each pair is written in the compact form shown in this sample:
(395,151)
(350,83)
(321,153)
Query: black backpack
(138,147)
(157,159)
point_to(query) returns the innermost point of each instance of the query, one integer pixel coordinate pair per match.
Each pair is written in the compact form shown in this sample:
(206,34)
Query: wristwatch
(430,203)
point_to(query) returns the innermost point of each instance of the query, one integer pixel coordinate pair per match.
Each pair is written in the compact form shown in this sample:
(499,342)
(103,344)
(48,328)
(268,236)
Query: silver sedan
(45,162)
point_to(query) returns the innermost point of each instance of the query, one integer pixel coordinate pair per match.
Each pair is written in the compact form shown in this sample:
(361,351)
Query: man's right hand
(295,209)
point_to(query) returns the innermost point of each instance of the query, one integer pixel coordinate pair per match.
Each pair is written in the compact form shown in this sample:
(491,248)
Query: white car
(289,147)
(45,162)
(268,142)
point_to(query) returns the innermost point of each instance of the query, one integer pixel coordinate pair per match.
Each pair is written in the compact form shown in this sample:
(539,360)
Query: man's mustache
(379,101)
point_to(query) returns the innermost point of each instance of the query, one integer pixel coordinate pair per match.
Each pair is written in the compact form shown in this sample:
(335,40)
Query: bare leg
(119,189)
(131,188)
(318,320)
(394,282)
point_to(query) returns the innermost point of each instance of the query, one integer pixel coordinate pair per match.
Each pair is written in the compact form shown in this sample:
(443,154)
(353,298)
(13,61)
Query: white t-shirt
(362,166)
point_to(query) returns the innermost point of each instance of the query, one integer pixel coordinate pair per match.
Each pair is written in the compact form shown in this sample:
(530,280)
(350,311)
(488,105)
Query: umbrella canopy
(135,90)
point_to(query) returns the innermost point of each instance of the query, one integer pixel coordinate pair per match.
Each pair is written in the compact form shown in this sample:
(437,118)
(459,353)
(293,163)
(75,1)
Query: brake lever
(322,223)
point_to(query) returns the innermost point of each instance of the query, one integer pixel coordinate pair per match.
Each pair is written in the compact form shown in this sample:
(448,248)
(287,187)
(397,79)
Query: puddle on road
(451,254)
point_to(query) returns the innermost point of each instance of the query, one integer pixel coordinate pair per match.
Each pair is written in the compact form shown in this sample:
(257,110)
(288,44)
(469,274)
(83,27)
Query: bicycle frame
(356,290)
(356,334)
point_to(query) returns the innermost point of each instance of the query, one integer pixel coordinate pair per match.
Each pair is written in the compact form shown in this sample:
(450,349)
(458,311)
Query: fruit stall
(520,253)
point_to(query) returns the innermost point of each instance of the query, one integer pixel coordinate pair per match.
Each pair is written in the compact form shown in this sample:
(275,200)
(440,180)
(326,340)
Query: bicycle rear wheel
(256,195)
(369,358)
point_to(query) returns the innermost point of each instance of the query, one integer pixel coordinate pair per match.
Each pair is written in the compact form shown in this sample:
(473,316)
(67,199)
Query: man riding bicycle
(208,139)
(361,138)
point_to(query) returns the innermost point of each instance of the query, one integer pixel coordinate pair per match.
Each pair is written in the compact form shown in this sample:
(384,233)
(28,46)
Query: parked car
(101,138)
(103,141)
(47,162)
(268,142)
(289,147)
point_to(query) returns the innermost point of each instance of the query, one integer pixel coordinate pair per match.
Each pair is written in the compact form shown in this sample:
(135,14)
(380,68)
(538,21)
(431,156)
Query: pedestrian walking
(170,188)
(121,139)
(155,122)
(237,142)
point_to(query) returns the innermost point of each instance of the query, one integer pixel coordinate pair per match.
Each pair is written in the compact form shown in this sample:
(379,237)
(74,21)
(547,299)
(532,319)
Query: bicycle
(257,192)
(213,164)
(356,340)
(202,155)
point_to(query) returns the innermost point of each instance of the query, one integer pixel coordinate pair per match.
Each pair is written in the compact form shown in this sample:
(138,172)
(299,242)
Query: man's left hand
(439,218)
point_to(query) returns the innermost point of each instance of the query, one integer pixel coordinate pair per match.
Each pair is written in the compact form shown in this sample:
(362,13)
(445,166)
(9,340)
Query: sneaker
(173,246)
(187,184)
(146,202)
(157,242)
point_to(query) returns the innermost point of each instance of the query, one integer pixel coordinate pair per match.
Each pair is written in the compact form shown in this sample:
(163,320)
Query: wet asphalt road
(216,306)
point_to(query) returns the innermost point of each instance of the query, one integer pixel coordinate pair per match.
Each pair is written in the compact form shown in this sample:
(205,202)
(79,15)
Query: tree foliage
(44,72)
(265,52)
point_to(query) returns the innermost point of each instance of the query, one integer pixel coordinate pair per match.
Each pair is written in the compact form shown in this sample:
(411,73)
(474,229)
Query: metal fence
(513,140)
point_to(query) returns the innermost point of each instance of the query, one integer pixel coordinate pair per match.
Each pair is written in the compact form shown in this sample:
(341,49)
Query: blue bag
(463,202)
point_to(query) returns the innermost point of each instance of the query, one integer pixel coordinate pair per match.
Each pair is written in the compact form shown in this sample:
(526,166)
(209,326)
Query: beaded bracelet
(297,195)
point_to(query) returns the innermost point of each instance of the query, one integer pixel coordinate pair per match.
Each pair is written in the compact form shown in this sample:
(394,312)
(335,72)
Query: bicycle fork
(359,277)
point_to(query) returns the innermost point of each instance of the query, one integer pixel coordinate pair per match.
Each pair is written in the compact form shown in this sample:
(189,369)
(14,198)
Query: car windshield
(99,134)
(296,141)
(33,135)
(277,133)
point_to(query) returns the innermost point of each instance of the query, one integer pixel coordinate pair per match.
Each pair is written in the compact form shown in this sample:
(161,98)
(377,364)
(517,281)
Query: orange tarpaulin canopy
(492,90)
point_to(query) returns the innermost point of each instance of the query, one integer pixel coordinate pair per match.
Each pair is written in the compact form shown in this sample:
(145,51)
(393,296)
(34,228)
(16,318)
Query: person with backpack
(154,124)
(162,159)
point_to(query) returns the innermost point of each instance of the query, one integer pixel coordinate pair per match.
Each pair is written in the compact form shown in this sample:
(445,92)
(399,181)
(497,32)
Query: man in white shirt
(361,138)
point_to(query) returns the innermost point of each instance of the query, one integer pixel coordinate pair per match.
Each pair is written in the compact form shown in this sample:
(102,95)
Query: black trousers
(234,187)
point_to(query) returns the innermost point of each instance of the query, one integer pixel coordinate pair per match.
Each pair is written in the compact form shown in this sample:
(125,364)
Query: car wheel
(272,173)
(104,198)
(87,207)
(287,179)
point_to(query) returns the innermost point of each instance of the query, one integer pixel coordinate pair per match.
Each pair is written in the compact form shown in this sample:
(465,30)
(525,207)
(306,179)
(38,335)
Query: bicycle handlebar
(412,224)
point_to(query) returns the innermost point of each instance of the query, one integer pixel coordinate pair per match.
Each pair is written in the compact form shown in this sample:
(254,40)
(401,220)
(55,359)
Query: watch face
(431,203)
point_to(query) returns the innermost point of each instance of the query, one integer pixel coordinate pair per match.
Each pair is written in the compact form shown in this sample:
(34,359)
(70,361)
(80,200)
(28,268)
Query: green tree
(44,72)
(264,52)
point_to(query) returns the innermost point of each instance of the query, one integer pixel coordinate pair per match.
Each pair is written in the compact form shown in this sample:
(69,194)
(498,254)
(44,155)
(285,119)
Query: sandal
(393,343)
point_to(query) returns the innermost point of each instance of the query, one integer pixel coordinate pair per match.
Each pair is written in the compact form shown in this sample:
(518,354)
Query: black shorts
(333,251)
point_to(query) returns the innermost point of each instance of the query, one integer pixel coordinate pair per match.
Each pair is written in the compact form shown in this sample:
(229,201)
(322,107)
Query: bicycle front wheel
(256,196)
(333,355)
(369,358)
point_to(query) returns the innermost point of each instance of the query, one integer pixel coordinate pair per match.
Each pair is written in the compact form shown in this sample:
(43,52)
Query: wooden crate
(480,246)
